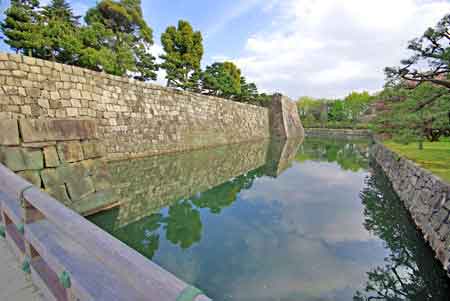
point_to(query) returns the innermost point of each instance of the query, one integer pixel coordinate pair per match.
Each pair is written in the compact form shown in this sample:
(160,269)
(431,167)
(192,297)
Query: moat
(275,221)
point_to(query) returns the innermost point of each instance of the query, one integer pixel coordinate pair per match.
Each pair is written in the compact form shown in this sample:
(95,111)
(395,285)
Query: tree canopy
(415,115)
(114,38)
(222,79)
(183,54)
(430,59)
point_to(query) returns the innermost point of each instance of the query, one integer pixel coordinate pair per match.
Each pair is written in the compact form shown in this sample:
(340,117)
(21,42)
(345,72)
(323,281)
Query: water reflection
(350,155)
(275,222)
(410,272)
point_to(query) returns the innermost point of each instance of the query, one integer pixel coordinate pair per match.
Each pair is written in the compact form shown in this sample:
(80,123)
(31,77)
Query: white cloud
(330,47)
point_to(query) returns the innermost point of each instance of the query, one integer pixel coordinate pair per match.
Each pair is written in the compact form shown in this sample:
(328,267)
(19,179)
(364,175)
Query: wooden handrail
(140,273)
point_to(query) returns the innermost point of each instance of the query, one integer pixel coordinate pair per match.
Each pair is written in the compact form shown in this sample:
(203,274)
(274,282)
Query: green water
(278,221)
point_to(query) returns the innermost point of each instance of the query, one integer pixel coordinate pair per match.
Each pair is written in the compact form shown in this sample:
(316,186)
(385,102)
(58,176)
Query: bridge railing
(70,258)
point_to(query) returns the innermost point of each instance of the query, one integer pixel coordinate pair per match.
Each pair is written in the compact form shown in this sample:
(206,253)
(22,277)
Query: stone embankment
(60,123)
(339,133)
(426,196)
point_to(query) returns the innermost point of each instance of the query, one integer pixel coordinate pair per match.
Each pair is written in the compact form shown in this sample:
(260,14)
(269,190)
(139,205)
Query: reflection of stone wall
(133,118)
(145,185)
(425,196)
(344,133)
(63,157)
(280,155)
(68,116)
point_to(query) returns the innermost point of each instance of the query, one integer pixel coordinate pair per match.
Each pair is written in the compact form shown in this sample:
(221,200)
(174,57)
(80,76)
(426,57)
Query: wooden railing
(70,258)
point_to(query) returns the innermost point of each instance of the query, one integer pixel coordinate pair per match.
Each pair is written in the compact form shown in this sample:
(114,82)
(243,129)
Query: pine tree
(183,53)
(121,28)
(61,10)
(60,33)
(222,79)
(22,27)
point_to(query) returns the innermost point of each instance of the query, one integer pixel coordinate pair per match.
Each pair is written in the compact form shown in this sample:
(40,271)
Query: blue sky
(322,48)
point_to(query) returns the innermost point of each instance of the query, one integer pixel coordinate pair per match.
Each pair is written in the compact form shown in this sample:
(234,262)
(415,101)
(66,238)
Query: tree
(432,51)
(355,104)
(60,33)
(61,10)
(304,105)
(249,91)
(183,224)
(410,271)
(120,28)
(183,53)
(337,111)
(22,27)
(222,79)
(415,115)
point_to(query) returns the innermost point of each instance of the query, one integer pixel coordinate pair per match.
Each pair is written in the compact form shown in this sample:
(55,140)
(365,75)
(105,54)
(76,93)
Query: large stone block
(51,156)
(70,151)
(18,159)
(31,176)
(52,177)
(59,192)
(9,132)
(37,130)
(79,188)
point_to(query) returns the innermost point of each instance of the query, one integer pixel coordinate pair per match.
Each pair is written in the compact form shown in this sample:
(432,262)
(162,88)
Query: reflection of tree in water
(350,155)
(224,195)
(410,272)
(182,223)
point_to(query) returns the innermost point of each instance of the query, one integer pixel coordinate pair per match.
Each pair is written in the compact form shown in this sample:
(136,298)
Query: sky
(319,48)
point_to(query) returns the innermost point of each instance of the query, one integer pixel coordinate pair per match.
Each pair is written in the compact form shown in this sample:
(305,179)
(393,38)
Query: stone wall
(426,196)
(62,157)
(284,118)
(133,118)
(345,133)
(60,124)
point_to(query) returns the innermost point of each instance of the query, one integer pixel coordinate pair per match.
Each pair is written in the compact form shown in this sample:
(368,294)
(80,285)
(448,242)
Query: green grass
(435,156)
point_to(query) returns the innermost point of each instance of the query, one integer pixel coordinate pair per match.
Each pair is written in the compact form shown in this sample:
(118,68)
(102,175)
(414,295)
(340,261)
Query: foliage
(183,54)
(356,104)
(249,91)
(183,224)
(222,79)
(22,27)
(415,115)
(410,272)
(350,155)
(115,38)
(431,58)
(120,28)
(434,157)
(337,113)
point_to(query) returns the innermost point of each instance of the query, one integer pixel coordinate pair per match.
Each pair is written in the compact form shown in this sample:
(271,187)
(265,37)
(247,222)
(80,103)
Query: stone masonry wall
(60,124)
(62,157)
(133,118)
(345,133)
(284,118)
(426,197)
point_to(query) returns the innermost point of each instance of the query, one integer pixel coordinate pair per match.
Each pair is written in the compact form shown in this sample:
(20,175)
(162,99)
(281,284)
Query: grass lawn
(434,156)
